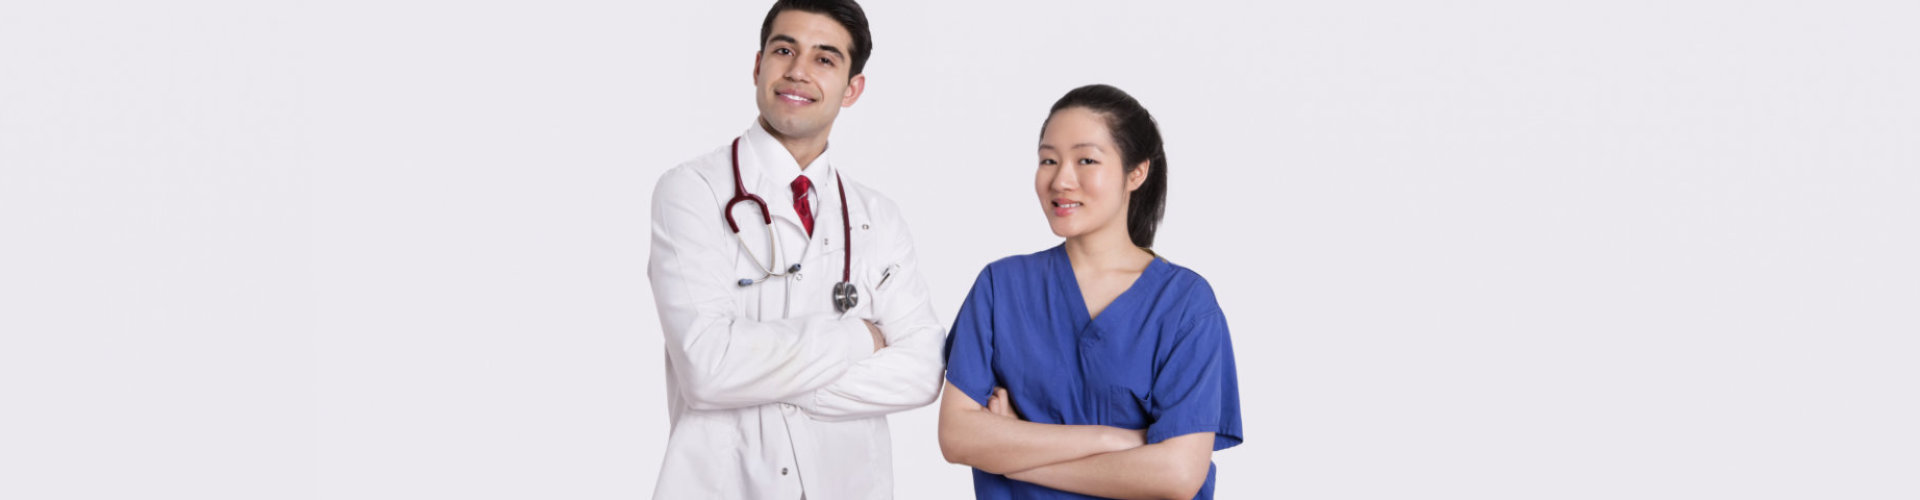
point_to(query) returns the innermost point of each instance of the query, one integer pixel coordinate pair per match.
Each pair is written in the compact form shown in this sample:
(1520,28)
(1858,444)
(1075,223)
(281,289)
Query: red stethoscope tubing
(740,194)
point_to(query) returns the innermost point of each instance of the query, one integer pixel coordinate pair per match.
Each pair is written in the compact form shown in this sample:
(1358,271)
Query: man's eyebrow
(829,48)
(820,47)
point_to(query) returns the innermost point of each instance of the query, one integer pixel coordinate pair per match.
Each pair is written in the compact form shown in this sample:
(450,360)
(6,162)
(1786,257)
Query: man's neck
(803,149)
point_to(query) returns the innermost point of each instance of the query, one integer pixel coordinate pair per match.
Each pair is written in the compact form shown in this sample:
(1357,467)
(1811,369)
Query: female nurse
(1094,368)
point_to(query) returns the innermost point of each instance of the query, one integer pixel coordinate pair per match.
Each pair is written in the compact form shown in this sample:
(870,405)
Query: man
(775,391)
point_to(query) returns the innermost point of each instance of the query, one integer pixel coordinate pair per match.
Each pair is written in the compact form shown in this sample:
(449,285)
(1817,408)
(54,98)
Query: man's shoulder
(879,207)
(696,176)
(875,200)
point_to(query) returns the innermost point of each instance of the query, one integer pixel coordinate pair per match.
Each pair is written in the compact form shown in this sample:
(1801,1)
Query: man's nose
(796,72)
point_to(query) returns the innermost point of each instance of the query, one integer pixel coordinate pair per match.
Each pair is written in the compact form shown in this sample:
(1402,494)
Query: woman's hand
(995,439)
(1001,404)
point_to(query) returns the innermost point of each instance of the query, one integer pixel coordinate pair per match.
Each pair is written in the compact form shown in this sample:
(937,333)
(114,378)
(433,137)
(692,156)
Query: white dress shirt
(772,393)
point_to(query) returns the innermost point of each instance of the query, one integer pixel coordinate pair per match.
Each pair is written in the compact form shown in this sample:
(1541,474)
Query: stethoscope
(845,297)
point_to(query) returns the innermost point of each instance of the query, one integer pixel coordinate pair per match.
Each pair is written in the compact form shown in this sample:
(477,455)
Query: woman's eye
(1087,161)
(1048,161)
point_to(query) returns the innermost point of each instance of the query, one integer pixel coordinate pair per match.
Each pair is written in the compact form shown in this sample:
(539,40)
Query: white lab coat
(772,393)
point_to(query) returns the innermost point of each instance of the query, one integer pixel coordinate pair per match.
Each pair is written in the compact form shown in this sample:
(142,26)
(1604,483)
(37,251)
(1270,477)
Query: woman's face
(1081,181)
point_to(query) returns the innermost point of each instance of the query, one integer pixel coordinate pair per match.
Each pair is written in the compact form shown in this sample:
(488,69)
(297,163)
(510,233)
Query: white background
(397,250)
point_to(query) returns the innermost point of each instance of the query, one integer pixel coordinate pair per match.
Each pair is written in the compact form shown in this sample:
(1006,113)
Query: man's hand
(879,340)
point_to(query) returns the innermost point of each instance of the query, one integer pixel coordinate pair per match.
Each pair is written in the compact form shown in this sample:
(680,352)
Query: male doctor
(779,379)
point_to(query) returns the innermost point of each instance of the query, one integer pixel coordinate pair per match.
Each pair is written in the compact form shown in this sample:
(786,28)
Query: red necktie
(800,205)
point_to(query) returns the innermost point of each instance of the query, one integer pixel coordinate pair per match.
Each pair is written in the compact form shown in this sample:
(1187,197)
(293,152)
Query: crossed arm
(1087,459)
(834,366)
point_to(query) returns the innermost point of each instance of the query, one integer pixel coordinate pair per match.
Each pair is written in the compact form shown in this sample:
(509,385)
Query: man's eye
(826,61)
(782,51)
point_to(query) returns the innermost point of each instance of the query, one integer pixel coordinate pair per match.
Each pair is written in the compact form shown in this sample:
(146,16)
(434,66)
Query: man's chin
(793,126)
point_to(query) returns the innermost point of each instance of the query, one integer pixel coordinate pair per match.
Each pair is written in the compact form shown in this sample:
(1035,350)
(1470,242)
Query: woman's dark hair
(845,12)
(1138,138)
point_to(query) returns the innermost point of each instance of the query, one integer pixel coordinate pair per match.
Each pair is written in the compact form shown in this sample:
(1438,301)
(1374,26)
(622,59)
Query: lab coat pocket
(874,284)
(1124,408)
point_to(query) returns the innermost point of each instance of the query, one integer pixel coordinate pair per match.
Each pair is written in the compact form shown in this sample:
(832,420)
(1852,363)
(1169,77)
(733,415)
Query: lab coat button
(783,471)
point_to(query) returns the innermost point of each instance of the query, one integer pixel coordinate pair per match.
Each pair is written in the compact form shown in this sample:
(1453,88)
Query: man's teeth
(795,97)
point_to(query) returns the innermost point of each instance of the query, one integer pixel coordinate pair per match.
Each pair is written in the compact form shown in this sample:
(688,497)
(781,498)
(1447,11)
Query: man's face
(800,75)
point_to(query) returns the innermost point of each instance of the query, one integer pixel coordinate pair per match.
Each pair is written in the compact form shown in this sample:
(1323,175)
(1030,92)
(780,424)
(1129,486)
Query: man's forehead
(810,28)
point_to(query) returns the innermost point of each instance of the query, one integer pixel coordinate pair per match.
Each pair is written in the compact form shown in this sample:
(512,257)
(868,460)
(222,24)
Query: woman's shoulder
(1021,265)
(1193,289)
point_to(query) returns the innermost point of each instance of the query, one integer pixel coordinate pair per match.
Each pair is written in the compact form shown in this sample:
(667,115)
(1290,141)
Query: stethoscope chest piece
(845,296)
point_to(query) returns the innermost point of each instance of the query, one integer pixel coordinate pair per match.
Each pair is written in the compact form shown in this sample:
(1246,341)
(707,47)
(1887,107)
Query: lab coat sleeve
(1196,389)
(721,359)
(906,373)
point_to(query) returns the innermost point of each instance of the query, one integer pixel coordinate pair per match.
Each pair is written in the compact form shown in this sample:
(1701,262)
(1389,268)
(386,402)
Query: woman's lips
(1063,208)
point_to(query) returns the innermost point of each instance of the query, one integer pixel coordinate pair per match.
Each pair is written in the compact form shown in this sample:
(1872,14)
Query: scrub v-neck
(1084,322)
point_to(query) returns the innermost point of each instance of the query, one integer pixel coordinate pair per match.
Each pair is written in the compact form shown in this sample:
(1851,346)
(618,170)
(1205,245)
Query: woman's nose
(1064,178)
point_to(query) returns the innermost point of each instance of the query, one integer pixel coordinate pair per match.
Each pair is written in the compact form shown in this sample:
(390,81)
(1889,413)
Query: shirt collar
(772,161)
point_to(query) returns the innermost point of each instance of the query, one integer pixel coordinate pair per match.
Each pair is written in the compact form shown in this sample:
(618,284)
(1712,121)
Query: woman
(1094,368)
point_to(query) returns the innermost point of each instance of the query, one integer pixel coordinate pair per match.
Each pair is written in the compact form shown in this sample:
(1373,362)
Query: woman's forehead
(1076,128)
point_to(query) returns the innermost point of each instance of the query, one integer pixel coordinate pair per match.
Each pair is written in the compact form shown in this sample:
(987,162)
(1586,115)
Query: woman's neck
(1107,251)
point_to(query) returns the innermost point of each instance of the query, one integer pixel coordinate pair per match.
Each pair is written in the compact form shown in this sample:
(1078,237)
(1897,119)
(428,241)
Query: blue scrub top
(1158,358)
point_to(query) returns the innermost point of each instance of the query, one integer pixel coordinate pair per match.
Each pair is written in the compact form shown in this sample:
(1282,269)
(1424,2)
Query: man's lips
(794,97)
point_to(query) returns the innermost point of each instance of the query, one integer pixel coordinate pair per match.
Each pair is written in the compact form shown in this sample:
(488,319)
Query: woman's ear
(1139,175)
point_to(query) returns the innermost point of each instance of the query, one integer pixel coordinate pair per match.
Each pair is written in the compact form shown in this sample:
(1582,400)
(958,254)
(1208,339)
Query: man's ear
(756,68)
(855,86)
(1139,174)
